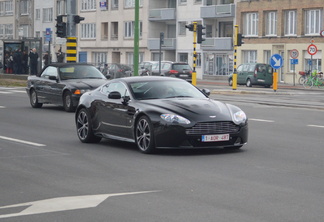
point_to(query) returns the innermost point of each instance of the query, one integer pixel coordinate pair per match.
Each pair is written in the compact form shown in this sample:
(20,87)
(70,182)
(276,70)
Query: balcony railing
(217,11)
(222,44)
(169,44)
(162,14)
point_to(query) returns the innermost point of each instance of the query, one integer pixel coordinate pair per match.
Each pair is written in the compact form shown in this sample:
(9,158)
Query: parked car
(156,112)
(253,74)
(63,84)
(180,70)
(146,67)
(117,70)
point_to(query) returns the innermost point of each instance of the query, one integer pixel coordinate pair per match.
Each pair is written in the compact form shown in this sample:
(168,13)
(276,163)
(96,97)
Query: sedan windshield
(80,72)
(164,89)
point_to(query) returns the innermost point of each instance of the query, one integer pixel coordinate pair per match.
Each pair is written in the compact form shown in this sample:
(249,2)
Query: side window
(115,86)
(251,68)
(240,68)
(49,71)
(245,67)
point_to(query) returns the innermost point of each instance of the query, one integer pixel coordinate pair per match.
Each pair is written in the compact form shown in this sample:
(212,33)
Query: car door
(240,75)
(56,86)
(43,86)
(114,115)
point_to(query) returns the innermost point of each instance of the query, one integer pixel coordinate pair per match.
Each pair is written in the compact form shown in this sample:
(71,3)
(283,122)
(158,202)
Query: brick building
(277,27)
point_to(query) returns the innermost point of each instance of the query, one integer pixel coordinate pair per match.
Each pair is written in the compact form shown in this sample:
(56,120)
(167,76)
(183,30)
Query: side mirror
(206,92)
(114,95)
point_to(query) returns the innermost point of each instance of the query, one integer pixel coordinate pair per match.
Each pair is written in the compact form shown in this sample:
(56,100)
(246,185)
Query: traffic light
(200,33)
(240,39)
(60,27)
(77,19)
(162,38)
(190,27)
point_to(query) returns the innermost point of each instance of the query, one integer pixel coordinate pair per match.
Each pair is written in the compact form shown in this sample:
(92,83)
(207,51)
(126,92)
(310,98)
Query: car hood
(194,109)
(86,83)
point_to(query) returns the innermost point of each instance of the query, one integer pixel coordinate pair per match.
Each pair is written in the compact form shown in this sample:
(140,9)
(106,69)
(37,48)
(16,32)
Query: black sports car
(159,112)
(63,84)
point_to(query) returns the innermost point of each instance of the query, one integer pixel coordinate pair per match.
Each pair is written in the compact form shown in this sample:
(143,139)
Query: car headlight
(239,117)
(173,118)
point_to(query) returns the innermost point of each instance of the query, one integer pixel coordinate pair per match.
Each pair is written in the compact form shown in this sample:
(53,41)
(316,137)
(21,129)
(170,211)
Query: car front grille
(213,128)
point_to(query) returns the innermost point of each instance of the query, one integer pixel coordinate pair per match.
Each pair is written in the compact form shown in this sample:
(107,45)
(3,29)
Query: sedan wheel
(144,135)
(84,128)
(67,102)
(34,100)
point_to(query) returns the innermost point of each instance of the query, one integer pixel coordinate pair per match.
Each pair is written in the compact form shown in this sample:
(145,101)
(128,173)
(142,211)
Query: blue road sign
(276,61)
(294,61)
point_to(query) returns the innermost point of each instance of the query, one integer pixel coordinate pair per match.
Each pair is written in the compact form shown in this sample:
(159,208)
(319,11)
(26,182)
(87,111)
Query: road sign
(322,33)
(294,61)
(312,49)
(294,53)
(276,61)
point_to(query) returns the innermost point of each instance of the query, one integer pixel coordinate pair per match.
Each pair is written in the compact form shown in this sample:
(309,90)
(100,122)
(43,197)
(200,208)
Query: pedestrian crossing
(7,90)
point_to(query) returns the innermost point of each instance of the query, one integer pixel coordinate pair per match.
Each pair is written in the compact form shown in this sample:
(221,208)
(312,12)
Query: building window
(129,29)
(47,14)
(251,24)
(6,8)
(25,30)
(182,2)
(114,31)
(60,7)
(104,31)
(88,31)
(271,23)
(183,57)
(100,58)
(182,28)
(37,14)
(313,22)
(114,4)
(267,55)
(249,56)
(88,5)
(24,7)
(131,3)
(198,60)
(290,23)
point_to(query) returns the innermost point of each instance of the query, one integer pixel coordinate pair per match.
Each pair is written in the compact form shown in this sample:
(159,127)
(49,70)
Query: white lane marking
(318,126)
(262,120)
(2,107)
(64,203)
(21,141)
(4,92)
(18,91)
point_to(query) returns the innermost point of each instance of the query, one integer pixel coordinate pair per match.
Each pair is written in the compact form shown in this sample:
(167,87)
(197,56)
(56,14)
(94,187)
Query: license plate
(183,75)
(215,138)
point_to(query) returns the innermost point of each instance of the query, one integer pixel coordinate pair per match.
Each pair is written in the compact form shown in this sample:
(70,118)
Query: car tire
(84,127)
(248,83)
(34,99)
(67,102)
(144,135)
(230,82)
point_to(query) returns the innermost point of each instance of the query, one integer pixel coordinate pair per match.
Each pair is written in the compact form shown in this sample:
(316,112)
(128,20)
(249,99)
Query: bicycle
(318,80)
(303,77)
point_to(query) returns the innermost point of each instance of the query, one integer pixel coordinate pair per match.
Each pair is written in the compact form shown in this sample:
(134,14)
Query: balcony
(217,11)
(169,44)
(162,14)
(221,44)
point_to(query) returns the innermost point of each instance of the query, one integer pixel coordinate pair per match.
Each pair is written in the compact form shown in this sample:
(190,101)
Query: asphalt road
(48,175)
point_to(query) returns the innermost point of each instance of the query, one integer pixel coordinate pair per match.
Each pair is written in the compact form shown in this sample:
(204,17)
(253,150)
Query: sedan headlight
(173,118)
(239,117)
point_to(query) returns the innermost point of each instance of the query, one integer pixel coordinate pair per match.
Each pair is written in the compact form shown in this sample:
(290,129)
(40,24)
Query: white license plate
(215,138)
(183,75)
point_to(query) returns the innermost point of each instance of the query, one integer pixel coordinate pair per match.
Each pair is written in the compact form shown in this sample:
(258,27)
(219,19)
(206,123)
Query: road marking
(318,126)
(64,203)
(2,107)
(262,120)
(21,141)
(4,92)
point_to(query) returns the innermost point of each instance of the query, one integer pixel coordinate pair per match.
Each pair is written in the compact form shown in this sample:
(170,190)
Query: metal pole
(136,38)
(234,77)
(194,74)
(71,40)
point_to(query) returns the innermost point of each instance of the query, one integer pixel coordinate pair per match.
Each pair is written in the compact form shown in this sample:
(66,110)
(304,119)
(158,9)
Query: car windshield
(164,89)
(80,72)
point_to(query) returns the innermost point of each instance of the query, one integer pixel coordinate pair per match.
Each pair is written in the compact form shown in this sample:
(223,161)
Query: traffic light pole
(234,77)
(194,74)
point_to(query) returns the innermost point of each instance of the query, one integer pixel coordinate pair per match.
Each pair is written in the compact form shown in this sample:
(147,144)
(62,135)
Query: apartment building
(280,27)
(107,33)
